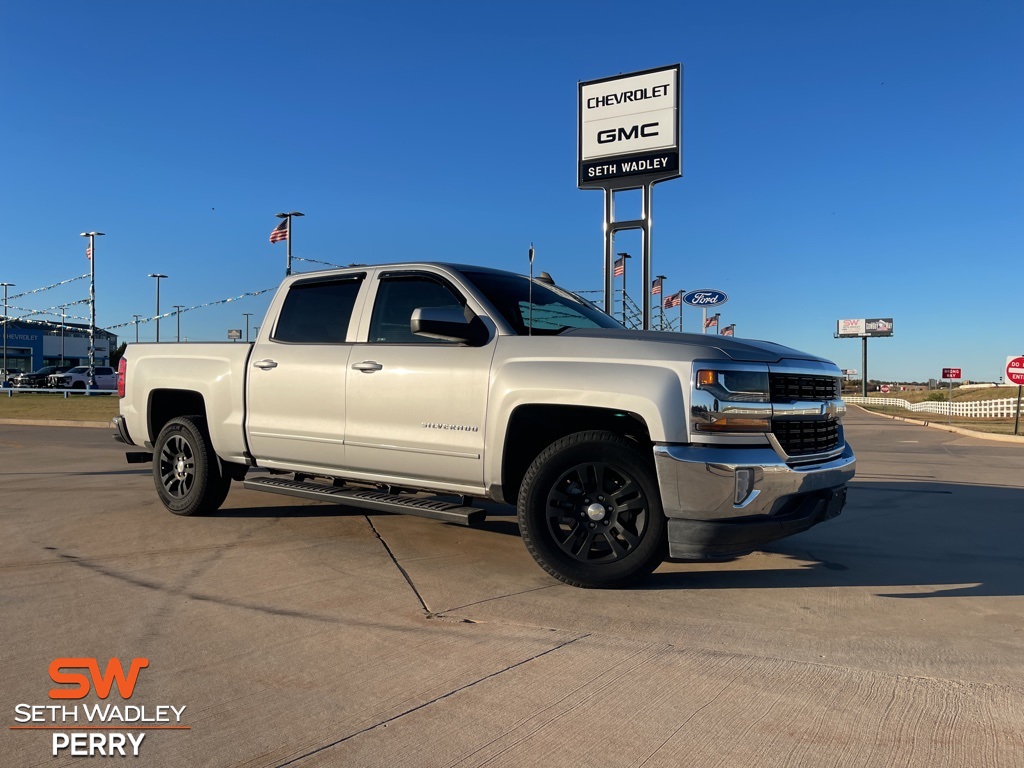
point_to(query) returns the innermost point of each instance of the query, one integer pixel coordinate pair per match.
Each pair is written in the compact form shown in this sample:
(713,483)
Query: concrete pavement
(304,634)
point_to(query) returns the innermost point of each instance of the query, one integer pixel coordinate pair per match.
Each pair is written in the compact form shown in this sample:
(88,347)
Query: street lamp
(3,373)
(136,327)
(63,323)
(247,316)
(177,314)
(158,277)
(91,253)
(288,238)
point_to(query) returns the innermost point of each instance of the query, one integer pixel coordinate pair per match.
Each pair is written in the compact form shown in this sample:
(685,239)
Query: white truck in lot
(373,386)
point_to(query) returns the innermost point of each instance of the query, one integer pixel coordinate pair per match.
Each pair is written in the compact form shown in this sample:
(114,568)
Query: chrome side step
(377,501)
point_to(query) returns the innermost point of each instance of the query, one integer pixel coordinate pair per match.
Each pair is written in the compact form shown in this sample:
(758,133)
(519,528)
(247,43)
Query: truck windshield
(548,311)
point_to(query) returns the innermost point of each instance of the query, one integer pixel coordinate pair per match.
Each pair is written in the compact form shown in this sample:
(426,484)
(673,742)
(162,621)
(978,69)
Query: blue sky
(841,159)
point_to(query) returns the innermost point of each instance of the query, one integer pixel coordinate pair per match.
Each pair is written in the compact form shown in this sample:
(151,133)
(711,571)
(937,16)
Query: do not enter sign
(1015,370)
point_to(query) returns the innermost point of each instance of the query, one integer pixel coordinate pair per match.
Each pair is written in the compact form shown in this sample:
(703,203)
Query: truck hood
(740,350)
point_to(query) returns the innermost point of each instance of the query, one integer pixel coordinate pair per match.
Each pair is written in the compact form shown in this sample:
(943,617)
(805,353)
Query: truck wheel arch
(532,428)
(167,404)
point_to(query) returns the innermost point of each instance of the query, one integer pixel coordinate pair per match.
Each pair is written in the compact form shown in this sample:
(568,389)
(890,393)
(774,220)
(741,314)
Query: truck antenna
(529,331)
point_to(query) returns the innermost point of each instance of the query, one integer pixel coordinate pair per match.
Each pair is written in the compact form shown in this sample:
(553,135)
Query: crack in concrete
(426,611)
(442,697)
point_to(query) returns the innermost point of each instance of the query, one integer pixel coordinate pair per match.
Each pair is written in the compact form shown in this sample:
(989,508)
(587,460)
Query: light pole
(158,277)
(660,280)
(63,322)
(3,374)
(622,257)
(247,316)
(177,313)
(288,237)
(136,327)
(91,254)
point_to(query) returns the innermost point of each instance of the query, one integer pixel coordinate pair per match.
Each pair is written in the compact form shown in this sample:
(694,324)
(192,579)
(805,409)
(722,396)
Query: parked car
(78,378)
(38,379)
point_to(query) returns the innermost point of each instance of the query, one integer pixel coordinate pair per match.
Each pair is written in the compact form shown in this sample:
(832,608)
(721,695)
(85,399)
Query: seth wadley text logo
(104,729)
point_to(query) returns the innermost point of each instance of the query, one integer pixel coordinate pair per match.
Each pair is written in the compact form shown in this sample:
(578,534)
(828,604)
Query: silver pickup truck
(420,388)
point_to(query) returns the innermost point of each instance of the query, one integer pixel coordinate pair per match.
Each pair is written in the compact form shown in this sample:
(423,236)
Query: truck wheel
(185,468)
(590,513)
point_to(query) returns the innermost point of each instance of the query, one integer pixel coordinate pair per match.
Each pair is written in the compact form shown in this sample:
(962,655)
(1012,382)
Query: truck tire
(590,513)
(185,468)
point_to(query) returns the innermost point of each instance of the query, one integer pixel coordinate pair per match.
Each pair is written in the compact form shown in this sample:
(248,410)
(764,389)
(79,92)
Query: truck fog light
(744,484)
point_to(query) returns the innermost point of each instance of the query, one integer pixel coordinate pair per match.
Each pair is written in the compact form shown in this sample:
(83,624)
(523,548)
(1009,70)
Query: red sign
(884,389)
(1015,370)
(951,373)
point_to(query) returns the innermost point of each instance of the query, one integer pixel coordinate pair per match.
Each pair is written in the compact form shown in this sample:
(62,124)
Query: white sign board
(629,128)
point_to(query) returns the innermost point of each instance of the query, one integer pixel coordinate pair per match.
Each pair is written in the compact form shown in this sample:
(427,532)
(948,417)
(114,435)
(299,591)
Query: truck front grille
(801,437)
(788,387)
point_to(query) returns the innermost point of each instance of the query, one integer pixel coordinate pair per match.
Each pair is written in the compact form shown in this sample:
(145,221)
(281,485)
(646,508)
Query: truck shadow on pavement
(940,539)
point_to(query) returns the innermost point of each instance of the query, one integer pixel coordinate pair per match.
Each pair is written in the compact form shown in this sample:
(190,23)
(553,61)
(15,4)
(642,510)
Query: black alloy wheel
(186,471)
(590,513)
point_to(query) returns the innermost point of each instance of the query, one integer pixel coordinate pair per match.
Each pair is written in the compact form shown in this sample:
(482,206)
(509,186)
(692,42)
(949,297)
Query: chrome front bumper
(722,502)
(700,482)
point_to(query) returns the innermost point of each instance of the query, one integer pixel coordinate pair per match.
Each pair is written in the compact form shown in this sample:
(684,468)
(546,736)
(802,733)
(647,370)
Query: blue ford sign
(705,297)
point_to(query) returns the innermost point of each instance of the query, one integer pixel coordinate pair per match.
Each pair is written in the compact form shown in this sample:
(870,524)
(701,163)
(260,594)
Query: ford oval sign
(705,298)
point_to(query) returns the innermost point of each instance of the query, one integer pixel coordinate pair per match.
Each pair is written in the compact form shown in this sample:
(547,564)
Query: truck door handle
(367,366)
(266,365)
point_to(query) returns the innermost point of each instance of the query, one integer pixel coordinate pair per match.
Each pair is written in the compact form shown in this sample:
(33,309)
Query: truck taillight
(122,368)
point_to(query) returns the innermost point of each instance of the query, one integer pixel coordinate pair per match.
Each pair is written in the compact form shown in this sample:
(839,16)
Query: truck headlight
(743,386)
(731,401)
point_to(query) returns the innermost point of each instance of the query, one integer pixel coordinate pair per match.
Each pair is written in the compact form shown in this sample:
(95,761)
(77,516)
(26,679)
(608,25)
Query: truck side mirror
(449,324)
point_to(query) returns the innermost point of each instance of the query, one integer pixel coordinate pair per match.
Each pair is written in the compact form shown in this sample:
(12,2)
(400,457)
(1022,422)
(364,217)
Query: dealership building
(31,345)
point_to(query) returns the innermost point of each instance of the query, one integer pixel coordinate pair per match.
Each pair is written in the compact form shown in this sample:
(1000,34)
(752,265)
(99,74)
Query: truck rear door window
(317,312)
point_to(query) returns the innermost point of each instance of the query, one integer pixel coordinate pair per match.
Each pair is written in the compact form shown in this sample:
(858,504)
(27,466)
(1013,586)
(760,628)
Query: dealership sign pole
(704,298)
(629,138)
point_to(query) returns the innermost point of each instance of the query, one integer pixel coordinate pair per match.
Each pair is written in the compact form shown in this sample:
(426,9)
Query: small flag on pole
(88,252)
(675,300)
(620,266)
(656,286)
(280,232)
(730,331)
(711,322)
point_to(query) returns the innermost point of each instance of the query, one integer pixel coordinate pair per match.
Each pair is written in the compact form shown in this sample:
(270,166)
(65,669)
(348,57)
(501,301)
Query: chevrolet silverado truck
(422,388)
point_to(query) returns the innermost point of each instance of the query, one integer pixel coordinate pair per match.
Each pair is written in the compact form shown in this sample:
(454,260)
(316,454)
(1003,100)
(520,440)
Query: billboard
(629,129)
(875,326)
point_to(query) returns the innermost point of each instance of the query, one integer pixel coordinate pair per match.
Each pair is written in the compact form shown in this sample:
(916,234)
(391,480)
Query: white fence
(981,409)
(12,391)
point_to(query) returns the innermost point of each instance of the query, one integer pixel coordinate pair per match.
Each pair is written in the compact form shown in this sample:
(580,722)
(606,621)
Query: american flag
(620,266)
(711,322)
(675,300)
(730,331)
(656,286)
(280,232)
(88,252)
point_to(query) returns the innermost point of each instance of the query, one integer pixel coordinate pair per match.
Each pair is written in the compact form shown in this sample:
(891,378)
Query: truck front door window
(396,300)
